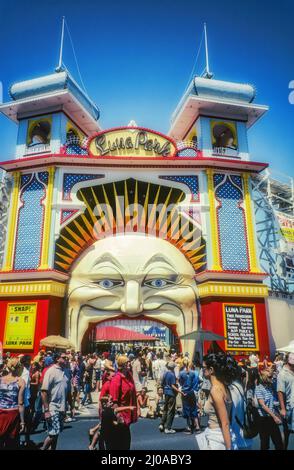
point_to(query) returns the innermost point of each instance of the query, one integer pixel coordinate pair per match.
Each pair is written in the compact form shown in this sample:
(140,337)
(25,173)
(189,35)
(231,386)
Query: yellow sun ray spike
(63,265)
(89,227)
(119,215)
(109,220)
(83,232)
(67,250)
(194,259)
(151,218)
(192,253)
(142,222)
(65,258)
(163,213)
(78,239)
(70,243)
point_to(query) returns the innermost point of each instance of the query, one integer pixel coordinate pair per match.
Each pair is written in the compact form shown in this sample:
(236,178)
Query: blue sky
(136,58)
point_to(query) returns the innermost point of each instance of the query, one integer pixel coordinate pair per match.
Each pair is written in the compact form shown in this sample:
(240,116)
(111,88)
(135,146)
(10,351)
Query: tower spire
(207,74)
(59,67)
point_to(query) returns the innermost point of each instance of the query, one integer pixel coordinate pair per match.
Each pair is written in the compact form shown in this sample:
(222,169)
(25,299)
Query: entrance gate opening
(166,337)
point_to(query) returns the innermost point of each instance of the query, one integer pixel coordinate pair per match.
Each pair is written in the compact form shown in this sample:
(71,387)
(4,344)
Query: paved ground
(145,433)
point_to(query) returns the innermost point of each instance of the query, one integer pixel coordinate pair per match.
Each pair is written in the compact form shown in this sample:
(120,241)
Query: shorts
(55,423)
(9,423)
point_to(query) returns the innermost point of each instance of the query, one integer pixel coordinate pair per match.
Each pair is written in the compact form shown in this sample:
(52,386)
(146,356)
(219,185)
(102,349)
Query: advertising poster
(20,326)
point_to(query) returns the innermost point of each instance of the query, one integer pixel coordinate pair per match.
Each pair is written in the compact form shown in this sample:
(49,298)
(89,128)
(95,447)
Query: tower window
(39,133)
(224,137)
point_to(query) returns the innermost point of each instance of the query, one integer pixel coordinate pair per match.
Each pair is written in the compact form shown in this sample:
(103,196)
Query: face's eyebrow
(107,257)
(159,257)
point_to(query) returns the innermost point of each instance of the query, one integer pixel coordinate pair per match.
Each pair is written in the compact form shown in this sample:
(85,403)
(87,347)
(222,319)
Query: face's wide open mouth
(180,321)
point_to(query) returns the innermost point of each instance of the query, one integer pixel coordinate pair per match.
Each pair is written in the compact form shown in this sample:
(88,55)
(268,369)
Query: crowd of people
(225,403)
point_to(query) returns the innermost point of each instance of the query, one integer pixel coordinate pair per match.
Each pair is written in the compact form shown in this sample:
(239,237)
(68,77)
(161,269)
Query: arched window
(39,133)
(224,138)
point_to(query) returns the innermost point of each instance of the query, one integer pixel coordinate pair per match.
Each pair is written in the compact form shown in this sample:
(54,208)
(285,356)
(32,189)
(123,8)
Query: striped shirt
(266,394)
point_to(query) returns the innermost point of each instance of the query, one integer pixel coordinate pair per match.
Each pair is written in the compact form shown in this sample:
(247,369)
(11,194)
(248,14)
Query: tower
(214,116)
(51,112)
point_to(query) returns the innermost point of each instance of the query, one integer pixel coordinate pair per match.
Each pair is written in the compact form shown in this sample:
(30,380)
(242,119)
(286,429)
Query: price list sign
(240,327)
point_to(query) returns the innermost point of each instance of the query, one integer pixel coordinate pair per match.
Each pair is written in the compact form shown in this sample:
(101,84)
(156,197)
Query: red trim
(145,129)
(73,212)
(199,162)
(31,271)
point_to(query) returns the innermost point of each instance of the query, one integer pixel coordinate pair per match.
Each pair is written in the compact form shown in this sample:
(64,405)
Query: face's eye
(158,283)
(109,283)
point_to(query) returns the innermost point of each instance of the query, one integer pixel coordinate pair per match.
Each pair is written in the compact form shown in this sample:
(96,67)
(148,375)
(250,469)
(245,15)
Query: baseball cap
(48,361)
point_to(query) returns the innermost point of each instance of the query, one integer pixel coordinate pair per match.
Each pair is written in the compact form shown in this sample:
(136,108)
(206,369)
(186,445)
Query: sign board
(240,327)
(131,142)
(286,223)
(20,326)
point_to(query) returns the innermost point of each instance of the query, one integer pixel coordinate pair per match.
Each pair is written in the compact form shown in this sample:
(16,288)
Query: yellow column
(216,266)
(249,224)
(47,220)
(8,265)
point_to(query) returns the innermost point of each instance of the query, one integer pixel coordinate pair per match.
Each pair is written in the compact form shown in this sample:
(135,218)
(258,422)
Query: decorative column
(254,267)
(216,265)
(12,223)
(47,220)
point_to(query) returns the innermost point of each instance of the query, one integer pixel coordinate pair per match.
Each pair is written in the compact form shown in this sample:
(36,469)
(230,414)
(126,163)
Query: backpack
(251,418)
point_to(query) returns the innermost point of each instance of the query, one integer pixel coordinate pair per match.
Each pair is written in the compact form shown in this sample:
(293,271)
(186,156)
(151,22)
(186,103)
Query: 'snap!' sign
(131,142)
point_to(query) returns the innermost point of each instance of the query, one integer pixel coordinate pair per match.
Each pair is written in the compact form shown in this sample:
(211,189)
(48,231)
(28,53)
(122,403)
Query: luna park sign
(131,142)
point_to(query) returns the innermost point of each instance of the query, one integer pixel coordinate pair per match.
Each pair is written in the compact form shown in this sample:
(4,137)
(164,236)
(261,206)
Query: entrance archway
(166,335)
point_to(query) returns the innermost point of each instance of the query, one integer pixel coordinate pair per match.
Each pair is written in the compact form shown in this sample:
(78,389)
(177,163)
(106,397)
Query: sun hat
(121,361)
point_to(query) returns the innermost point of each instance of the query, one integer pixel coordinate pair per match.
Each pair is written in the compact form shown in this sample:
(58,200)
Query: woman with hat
(123,392)
(12,390)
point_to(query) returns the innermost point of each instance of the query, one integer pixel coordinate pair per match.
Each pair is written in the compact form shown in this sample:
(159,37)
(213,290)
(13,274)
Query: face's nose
(132,301)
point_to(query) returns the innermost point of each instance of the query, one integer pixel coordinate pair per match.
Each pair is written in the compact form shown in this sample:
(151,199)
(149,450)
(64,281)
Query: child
(159,402)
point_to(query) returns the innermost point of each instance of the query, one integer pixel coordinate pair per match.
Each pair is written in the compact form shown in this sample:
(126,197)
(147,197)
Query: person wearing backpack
(240,425)
(269,421)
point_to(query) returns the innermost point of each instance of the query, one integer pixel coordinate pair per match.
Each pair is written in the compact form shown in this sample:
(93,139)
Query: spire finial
(59,67)
(207,74)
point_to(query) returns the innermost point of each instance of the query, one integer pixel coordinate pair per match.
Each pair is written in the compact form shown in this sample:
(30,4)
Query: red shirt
(105,389)
(123,392)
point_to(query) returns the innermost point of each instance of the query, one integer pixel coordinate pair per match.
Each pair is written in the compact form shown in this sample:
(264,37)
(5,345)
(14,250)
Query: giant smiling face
(132,275)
